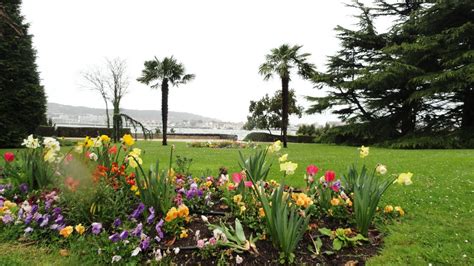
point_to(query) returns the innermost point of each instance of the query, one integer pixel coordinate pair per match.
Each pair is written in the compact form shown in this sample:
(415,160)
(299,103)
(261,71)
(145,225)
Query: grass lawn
(438,226)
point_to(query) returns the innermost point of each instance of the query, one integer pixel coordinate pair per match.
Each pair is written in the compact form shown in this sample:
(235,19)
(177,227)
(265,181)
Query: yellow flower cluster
(238,201)
(275,147)
(390,209)
(181,212)
(7,208)
(301,199)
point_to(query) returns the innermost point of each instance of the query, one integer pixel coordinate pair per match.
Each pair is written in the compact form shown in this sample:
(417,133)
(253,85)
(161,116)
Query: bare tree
(112,84)
(96,81)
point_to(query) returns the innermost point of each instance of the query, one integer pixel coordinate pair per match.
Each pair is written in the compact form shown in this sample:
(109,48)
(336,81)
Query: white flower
(204,218)
(238,259)
(288,167)
(93,156)
(116,258)
(136,251)
(26,206)
(381,169)
(50,156)
(30,142)
(176,250)
(51,144)
(158,255)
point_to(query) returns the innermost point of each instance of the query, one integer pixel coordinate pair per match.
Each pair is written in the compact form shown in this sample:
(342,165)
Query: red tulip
(329,176)
(113,149)
(248,183)
(312,169)
(9,157)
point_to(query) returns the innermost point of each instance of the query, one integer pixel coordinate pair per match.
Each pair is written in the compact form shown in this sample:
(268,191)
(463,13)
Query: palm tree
(280,61)
(164,72)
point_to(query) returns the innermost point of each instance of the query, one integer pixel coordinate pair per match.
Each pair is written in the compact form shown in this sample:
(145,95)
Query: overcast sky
(222,42)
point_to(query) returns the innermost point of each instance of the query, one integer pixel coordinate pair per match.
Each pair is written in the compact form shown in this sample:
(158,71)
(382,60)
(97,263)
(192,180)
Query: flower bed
(222,144)
(99,200)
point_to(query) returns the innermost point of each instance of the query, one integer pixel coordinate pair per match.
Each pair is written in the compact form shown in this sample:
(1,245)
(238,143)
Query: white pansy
(116,258)
(136,251)
(93,156)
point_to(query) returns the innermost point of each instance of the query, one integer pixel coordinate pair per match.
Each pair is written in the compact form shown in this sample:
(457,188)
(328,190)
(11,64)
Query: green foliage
(368,190)
(267,114)
(255,165)
(96,202)
(235,237)
(341,238)
(285,224)
(30,168)
(23,101)
(183,164)
(306,130)
(156,190)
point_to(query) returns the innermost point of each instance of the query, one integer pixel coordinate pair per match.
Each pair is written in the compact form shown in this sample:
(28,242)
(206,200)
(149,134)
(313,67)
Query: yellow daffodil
(381,169)
(88,142)
(275,147)
(66,231)
(105,138)
(388,209)
(80,229)
(288,167)
(363,151)
(283,158)
(405,179)
(50,156)
(128,140)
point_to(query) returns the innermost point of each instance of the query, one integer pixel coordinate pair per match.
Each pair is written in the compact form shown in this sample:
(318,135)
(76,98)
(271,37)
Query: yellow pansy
(66,231)
(80,229)
(184,233)
(399,210)
(388,209)
(242,209)
(171,214)
(261,212)
(335,202)
(237,198)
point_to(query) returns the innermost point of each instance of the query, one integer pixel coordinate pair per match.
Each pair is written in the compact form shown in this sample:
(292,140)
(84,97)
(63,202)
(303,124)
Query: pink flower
(248,183)
(212,241)
(312,169)
(200,243)
(236,177)
(330,176)
(9,157)
(68,158)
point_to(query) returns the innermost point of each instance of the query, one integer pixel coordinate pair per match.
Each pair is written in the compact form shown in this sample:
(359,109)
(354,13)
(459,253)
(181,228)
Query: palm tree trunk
(164,109)
(284,119)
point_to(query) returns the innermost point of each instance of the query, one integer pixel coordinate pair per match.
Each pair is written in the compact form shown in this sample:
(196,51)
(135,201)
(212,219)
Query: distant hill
(59,111)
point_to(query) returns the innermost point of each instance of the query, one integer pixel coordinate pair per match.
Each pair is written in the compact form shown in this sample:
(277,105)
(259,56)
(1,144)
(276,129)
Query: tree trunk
(408,118)
(284,108)
(107,113)
(468,109)
(164,109)
(116,123)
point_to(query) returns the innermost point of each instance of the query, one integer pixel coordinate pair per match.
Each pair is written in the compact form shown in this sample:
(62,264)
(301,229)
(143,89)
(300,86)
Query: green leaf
(325,231)
(337,244)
